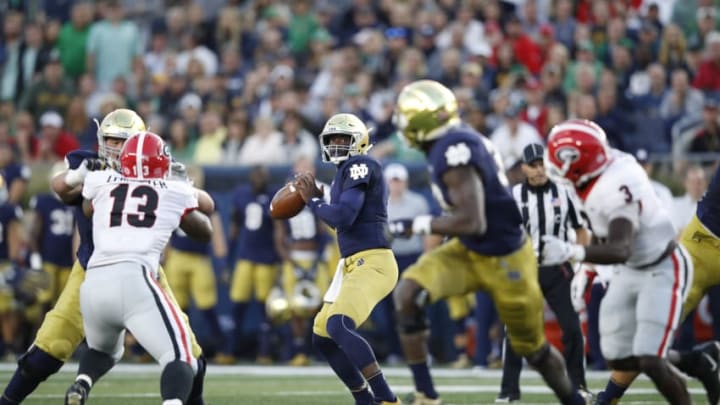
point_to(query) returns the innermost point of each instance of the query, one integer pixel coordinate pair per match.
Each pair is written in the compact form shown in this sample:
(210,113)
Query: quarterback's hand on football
(578,287)
(307,186)
(557,251)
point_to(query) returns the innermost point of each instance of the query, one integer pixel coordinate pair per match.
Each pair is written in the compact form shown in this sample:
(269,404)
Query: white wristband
(75,177)
(578,252)
(421,225)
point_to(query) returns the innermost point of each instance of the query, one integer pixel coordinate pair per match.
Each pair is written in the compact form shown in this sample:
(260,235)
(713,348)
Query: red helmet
(145,156)
(576,150)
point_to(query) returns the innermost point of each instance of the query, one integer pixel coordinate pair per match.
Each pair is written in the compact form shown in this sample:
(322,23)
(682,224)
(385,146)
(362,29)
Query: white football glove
(578,285)
(557,251)
(75,177)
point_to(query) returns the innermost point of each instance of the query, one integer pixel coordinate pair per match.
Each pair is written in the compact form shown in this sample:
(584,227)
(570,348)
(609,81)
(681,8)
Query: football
(286,203)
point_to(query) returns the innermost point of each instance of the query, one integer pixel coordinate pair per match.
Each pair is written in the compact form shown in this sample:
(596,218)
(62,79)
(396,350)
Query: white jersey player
(133,216)
(652,273)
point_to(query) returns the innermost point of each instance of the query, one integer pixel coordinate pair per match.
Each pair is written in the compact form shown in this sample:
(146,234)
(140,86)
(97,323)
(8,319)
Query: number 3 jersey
(624,190)
(134,218)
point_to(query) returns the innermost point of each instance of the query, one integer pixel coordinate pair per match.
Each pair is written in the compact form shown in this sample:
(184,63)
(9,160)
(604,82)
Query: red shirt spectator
(54,142)
(708,76)
(526,50)
(536,112)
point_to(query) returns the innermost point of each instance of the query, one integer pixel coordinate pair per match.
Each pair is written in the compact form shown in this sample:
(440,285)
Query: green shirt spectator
(72,40)
(52,92)
(302,27)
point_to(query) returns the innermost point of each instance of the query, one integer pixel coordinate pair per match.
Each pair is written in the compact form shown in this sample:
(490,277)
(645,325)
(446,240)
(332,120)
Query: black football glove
(95,164)
(401,228)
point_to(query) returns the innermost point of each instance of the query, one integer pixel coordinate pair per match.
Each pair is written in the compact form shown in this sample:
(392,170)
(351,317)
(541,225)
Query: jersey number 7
(145,218)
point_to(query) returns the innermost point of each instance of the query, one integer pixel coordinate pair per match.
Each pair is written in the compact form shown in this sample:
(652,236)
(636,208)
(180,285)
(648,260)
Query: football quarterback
(367,271)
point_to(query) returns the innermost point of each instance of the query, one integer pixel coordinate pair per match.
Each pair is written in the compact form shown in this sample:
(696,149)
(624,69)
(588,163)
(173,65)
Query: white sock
(172,402)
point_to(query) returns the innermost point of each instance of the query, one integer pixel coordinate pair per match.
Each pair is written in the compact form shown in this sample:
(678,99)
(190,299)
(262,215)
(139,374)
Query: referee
(548,209)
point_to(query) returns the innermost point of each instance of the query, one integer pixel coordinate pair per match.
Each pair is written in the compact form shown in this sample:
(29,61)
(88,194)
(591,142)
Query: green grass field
(139,384)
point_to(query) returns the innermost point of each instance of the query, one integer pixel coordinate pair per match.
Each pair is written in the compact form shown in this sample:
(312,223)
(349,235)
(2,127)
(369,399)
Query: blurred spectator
(661,190)
(264,146)
(615,121)
(649,89)
(302,26)
(707,139)
(157,58)
(705,22)
(564,22)
(683,208)
(79,124)
(193,49)
(585,59)
(535,111)
(237,132)
(708,74)
(182,145)
(15,173)
(681,99)
(208,149)
(526,51)
(297,141)
(551,81)
(189,108)
(673,48)
(113,45)
(513,135)
(72,42)
(12,79)
(54,142)
(52,91)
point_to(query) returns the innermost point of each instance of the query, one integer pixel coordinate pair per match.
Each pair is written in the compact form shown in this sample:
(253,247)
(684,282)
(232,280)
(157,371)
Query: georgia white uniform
(643,303)
(132,222)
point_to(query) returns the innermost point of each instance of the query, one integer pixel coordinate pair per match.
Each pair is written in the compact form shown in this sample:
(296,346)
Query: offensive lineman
(642,306)
(133,216)
(488,250)
(61,331)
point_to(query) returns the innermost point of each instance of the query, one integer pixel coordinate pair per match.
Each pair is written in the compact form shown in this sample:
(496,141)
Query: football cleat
(419,398)
(707,371)
(76,395)
(396,402)
(299,360)
(505,398)
(224,359)
(463,361)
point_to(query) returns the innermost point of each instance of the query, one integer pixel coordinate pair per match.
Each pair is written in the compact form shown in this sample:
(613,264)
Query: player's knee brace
(626,364)
(539,357)
(409,311)
(37,365)
(176,380)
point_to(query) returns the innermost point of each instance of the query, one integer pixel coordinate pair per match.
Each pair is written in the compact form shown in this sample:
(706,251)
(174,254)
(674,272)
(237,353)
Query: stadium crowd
(251,83)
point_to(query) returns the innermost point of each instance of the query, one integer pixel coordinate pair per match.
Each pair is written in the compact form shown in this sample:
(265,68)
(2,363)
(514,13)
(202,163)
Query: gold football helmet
(277,306)
(425,108)
(121,124)
(306,299)
(344,124)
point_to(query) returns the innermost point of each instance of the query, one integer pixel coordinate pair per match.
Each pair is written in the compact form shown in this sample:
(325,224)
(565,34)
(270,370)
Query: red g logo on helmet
(577,150)
(145,156)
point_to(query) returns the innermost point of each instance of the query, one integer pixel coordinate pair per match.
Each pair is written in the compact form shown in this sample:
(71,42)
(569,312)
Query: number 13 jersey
(624,190)
(133,219)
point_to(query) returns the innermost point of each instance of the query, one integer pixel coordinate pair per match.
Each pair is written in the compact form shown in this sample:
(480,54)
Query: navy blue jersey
(462,146)
(84,224)
(180,241)
(8,213)
(252,216)
(369,230)
(304,226)
(15,171)
(58,224)
(708,208)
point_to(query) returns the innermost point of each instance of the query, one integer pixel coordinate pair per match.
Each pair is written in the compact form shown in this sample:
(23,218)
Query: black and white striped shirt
(547,210)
